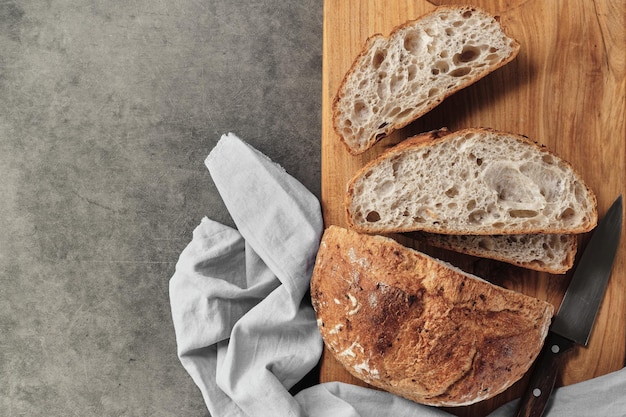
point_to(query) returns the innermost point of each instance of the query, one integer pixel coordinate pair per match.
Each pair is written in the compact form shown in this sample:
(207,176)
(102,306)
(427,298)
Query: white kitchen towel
(602,396)
(245,331)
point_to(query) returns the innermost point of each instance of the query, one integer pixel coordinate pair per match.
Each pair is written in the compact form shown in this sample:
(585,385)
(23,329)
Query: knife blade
(574,321)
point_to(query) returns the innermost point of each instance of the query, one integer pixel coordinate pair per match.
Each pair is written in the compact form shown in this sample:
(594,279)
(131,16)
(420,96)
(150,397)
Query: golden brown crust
(402,123)
(411,325)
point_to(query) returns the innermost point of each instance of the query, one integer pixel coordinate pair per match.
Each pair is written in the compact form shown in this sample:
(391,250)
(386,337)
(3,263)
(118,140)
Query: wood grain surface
(566,90)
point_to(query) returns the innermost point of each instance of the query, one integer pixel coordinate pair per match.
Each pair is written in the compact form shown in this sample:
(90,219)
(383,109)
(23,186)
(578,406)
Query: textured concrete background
(107,111)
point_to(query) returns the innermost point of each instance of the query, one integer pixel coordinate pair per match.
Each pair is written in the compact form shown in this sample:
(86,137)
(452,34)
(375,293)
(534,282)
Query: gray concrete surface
(107,111)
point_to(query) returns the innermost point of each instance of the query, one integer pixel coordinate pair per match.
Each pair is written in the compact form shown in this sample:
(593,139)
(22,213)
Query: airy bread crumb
(396,80)
(473,181)
(552,253)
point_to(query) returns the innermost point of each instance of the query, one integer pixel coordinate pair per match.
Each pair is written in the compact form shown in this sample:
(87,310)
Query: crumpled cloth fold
(245,331)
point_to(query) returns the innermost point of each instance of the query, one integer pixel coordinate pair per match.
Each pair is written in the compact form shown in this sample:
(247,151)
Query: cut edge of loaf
(418,65)
(551,253)
(507,180)
(418,327)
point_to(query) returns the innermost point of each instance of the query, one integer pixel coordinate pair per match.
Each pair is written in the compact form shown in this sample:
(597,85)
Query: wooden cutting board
(566,90)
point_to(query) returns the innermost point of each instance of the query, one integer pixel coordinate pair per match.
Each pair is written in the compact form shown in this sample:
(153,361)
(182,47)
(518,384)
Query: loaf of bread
(396,80)
(414,326)
(473,181)
(541,252)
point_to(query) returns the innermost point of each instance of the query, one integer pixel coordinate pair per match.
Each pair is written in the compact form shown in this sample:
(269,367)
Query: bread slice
(473,181)
(541,252)
(417,327)
(396,80)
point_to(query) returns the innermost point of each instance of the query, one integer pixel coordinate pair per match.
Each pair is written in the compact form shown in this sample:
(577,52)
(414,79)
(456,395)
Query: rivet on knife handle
(542,380)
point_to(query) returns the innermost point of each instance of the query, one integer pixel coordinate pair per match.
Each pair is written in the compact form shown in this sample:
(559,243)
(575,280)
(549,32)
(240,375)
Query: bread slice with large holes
(420,328)
(397,79)
(552,253)
(474,182)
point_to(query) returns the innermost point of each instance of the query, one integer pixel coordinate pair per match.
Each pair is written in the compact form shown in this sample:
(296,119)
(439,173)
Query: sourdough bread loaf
(473,181)
(414,326)
(396,80)
(552,253)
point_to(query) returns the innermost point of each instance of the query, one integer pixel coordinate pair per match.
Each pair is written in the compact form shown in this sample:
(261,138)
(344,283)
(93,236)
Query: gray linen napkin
(244,330)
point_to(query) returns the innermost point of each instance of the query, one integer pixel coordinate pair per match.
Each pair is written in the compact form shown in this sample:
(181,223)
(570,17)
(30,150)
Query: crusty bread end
(552,253)
(417,327)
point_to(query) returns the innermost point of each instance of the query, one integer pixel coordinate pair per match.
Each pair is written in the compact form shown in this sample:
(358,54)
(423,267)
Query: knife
(574,320)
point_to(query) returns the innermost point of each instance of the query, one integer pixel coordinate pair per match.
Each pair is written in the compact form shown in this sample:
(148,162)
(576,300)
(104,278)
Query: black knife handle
(535,398)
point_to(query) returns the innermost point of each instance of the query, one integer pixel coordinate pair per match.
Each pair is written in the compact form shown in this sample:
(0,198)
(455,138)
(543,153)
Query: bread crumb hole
(379,57)
(567,214)
(523,214)
(412,42)
(440,67)
(460,72)
(393,112)
(452,192)
(411,72)
(372,217)
(468,54)
(395,166)
(433,92)
(548,159)
(485,244)
(476,216)
(492,58)
(396,83)
(404,113)
(467,14)
(361,110)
